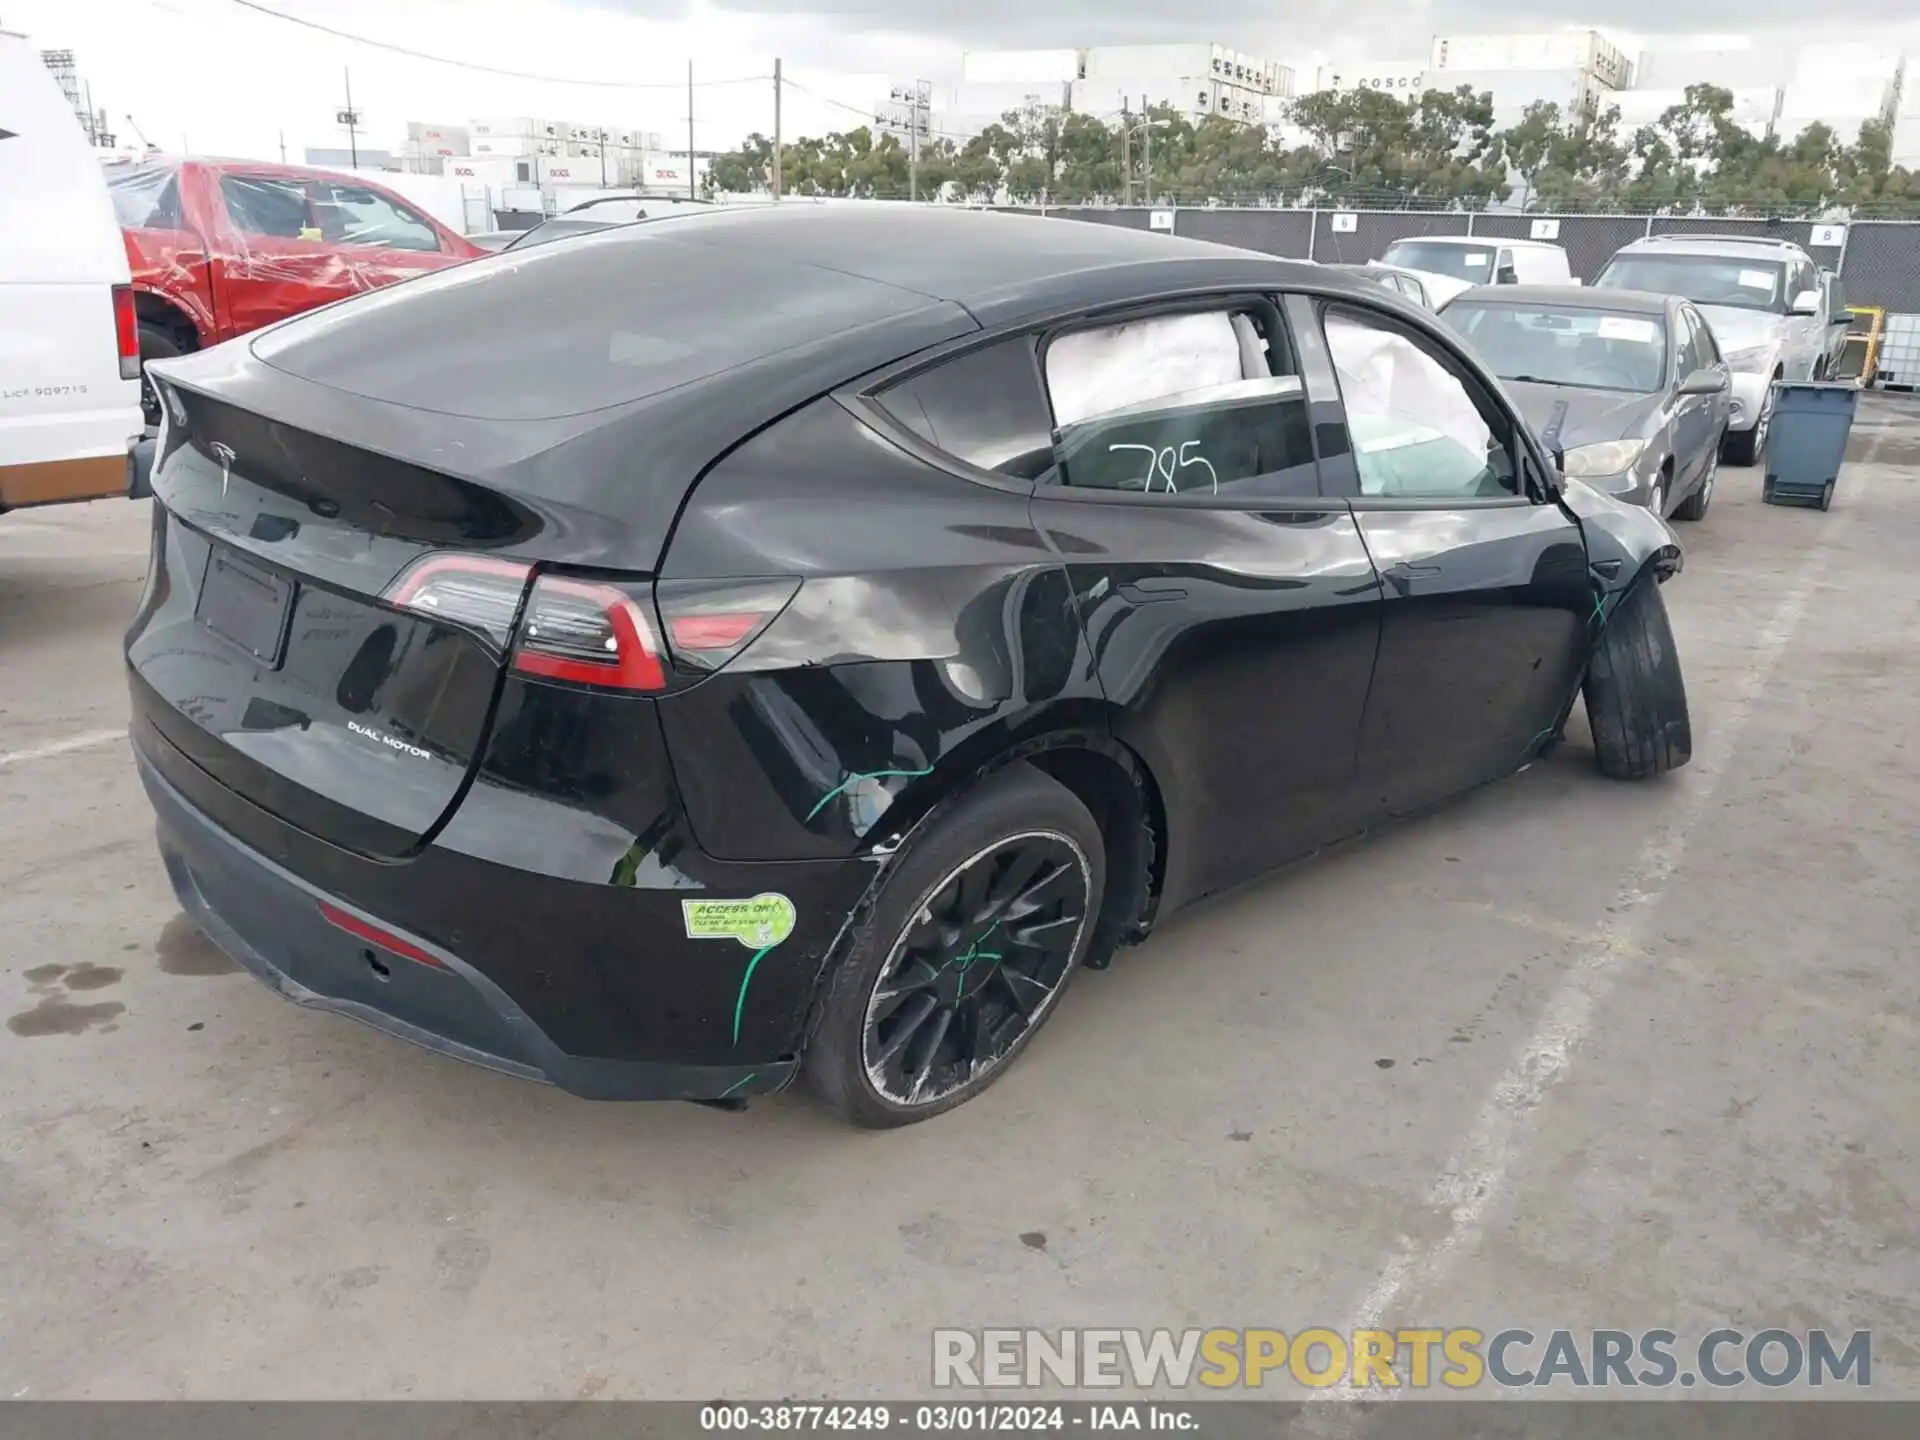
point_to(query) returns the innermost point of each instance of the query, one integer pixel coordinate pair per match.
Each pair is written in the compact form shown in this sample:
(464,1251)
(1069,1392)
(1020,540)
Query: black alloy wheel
(976,968)
(979,924)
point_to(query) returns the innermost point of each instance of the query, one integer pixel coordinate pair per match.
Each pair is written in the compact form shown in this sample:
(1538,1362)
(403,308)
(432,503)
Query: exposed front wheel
(1636,698)
(964,954)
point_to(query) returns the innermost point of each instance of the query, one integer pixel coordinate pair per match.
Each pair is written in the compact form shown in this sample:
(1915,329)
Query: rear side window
(985,407)
(146,199)
(1201,404)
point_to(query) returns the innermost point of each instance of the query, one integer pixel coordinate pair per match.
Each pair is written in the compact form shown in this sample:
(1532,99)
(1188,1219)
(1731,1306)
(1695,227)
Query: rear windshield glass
(1746,283)
(1463,262)
(533,334)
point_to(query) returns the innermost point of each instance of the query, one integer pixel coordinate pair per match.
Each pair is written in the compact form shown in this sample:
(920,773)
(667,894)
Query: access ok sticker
(757,923)
(1629,327)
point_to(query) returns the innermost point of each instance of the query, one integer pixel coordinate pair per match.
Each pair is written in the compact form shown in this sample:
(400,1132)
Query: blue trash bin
(1808,442)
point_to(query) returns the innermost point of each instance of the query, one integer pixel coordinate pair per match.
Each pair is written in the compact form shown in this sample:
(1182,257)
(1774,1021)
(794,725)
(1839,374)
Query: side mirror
(1705,382)
(1507,275)
(1807,302)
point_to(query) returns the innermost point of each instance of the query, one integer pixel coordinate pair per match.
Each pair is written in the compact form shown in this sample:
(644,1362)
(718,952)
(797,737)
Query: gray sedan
(1628,389)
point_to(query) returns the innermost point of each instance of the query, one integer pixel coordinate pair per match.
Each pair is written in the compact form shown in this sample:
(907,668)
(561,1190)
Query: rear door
(1227,597)
(1694,430)
(1486,590)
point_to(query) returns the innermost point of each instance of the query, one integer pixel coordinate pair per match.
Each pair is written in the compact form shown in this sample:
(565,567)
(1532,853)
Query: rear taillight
(126,331)
(476,591)
(590,632)
(709,622)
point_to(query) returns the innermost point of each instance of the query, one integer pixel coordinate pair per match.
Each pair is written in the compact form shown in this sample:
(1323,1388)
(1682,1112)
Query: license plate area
(247,606)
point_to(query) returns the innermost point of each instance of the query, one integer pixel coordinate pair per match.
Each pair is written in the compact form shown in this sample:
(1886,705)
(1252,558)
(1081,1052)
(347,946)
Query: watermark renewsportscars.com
(1457,1358)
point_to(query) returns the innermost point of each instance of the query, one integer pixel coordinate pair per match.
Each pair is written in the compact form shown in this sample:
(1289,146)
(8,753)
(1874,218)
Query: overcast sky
(219,78)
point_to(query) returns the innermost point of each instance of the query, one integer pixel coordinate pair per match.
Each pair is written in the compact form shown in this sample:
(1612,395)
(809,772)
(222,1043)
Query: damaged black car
(790,645)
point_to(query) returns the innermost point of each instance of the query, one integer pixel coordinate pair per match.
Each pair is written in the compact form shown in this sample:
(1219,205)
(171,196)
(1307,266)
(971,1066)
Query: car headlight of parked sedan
(1608,457)
(1750,361)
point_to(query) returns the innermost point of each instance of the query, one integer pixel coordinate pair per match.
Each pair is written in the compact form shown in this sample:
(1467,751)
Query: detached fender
(1623,540)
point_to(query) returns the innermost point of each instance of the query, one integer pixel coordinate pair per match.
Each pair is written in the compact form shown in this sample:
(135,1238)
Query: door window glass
(276,209)
(1703,337)
(985,407)
(1181,405)
(357,215)
(1693,353)
(1416,429)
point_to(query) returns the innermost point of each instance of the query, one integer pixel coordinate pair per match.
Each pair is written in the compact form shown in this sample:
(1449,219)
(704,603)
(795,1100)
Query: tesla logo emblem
(224,454)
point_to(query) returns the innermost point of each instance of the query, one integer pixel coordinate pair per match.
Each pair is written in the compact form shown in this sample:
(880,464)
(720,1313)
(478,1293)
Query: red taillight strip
(126,331)
(409,585)
(635,664)
(711,632)
(373,934)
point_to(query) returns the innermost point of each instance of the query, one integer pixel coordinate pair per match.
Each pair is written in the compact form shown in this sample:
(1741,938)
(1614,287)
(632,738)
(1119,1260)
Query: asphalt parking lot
(1567,1053)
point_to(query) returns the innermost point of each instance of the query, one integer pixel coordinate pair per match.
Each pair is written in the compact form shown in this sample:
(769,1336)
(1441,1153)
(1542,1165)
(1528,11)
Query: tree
(1531,145)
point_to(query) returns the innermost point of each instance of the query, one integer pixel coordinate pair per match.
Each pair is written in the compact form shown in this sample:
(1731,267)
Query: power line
(484,69)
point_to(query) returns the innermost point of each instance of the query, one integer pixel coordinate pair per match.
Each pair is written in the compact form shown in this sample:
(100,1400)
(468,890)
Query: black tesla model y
(739,648)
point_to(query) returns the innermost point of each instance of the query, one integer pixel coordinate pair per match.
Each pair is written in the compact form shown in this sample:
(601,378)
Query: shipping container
(1906,141)
(516,145)
(999,67)
(494,171)
(437,139)
(1108,61)
(1841,104)
(1513,90)
(1586,50)
(520,125)
(1397,77)
(1837,63)
(1730,66)
(1755,110)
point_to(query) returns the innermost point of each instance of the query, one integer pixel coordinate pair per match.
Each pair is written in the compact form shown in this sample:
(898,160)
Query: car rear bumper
(270,922)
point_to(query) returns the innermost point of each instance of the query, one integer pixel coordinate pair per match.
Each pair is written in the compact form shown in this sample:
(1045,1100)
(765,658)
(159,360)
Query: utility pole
(908,113)
(692,189)
(283,147)
(350,118)
(778,85)
(603,158)
(1126,154)
(1148,121)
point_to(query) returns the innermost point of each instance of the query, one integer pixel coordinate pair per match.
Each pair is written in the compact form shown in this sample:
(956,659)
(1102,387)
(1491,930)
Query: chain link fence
(1878,260)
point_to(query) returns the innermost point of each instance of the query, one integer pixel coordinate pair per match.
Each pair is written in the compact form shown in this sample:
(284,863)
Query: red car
(221,247)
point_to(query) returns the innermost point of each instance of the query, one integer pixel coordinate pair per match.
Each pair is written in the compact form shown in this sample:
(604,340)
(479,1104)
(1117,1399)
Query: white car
(1450,264)
(69,341)
(1775,314)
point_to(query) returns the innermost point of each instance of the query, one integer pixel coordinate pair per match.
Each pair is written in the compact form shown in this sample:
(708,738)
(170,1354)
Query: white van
(1450,264)
(69,343)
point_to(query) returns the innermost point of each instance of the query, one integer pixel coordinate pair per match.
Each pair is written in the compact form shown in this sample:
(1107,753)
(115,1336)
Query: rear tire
(155,344)
(1636,698)
(1694,507)
(1019,807)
